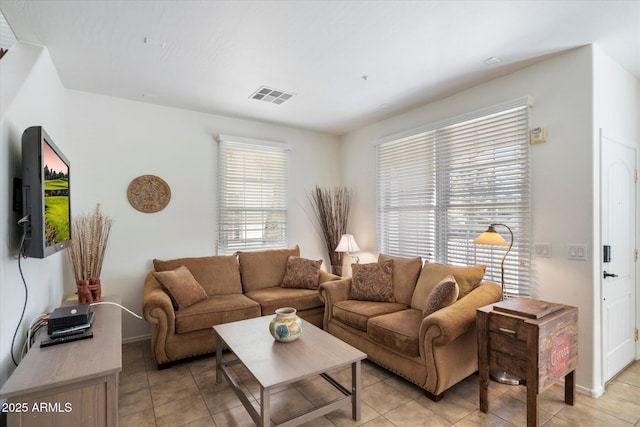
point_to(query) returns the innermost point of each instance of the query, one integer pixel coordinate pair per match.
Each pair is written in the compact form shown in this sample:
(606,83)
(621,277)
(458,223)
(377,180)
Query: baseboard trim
(135,339)
(595,393)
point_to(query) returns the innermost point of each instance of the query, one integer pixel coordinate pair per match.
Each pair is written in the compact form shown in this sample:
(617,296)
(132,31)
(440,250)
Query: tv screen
(46,195)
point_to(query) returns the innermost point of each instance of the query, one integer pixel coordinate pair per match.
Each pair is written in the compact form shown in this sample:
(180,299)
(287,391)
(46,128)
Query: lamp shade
(347,244)
(491,237)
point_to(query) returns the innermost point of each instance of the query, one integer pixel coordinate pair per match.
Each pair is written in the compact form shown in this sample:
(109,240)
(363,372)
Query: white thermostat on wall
(538,135)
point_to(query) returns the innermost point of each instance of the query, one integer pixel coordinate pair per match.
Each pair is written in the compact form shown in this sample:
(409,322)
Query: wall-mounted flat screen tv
(45,194)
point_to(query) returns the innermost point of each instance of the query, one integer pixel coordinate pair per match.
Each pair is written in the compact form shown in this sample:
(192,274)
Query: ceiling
(348,63)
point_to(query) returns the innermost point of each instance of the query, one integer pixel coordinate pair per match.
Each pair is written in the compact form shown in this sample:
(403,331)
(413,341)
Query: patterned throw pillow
(301,273)
(372,282)
(183,288)
(405,276)
(442,295)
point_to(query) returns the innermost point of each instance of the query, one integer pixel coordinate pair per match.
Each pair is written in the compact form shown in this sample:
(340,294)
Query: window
(440,187)
(7,38)
(252,194)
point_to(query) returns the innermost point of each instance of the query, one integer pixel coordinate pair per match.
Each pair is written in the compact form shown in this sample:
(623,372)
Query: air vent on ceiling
(273,96)
(492,60)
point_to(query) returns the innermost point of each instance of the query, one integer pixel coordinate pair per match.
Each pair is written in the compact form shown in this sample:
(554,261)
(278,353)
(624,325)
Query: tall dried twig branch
(331,207)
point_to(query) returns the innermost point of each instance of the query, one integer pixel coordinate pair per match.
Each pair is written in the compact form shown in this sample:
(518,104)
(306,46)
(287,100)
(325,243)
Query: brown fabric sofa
(237,287)
(434,352)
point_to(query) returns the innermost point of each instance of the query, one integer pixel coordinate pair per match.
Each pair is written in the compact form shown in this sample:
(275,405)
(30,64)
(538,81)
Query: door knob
(609,275)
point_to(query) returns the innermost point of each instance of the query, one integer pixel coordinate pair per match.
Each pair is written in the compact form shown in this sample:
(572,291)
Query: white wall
(562,187)
(616,104)
(113,141)
(31,94)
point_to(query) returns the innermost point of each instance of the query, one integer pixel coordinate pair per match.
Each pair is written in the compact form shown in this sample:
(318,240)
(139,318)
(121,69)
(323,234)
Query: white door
(618,198)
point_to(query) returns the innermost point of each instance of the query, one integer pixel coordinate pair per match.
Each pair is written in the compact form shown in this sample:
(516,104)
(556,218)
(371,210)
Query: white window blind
(440,188)
(252,195)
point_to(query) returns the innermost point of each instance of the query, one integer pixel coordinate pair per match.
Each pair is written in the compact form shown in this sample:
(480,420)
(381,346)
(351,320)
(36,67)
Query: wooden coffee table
(274,364)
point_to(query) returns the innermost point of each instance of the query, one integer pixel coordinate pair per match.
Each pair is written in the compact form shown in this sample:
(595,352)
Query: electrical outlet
(577,251)
(542,250)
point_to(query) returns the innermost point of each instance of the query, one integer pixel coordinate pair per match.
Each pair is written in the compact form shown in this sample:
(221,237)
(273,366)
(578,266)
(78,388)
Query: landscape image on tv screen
(56,197)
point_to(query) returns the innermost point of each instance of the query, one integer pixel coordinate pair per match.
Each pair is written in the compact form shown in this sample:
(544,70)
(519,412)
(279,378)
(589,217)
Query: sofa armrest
(156,302)
(158,310)
(332,292)
(447,324)
(326,277)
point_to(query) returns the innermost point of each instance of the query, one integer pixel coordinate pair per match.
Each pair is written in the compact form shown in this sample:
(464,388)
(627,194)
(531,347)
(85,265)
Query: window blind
(439,189)
(252,195)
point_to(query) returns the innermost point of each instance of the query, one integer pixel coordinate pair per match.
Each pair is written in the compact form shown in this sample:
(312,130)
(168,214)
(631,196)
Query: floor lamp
(493,238)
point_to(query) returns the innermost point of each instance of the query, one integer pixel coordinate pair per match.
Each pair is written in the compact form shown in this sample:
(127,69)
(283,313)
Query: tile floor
(187,395)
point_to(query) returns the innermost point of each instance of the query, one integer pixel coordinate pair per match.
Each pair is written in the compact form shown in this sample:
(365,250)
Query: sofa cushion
(301,273)
(264,269)
(405,276)
(214,311)
(356,313)
(271,299)
(398,330)
(218,275)
(372,282)
(432,273)
(183,288)
(443,294)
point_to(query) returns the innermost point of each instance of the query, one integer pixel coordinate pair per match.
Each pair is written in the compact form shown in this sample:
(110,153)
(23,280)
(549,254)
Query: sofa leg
(434,397)
(165,365)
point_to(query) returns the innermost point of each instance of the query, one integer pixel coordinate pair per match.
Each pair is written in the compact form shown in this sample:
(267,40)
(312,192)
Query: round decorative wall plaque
(149,193)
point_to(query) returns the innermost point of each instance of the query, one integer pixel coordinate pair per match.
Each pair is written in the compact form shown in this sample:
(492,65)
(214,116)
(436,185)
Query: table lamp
(347,245)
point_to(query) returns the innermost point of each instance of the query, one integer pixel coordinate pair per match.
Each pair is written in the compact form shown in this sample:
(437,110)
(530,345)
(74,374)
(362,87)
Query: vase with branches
(89,237)
(331,207)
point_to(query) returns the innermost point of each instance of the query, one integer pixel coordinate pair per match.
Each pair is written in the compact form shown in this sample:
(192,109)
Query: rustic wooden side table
(534,340)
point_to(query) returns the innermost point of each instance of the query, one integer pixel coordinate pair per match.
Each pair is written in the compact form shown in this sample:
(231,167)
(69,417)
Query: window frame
(420,214)
(253,186)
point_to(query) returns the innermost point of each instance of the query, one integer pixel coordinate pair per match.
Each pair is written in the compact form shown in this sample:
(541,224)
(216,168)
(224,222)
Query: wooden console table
(73,384)
(534,340)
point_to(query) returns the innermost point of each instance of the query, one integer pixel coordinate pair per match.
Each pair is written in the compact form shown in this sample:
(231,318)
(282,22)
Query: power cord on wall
(24,282)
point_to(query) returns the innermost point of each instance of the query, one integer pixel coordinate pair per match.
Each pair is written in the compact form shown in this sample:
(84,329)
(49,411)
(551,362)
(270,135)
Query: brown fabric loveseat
(434,352)
(182,304)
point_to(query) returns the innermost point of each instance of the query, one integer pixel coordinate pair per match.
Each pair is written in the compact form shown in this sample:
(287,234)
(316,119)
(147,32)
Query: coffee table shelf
(273,364)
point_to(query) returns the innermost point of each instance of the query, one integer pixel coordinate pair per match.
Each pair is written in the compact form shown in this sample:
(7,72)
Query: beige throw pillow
(183,288)
(301,273)
(372,282)
(432,273)
(442,295)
